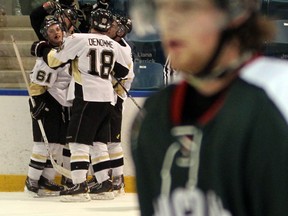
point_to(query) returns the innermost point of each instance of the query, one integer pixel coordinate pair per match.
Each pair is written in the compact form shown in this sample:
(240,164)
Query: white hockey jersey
(94,57)
(129,61)
(56,80)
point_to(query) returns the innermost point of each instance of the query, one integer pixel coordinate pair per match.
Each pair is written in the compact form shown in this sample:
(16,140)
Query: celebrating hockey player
(114,158)
(49,91)
(94,56)
(220,136)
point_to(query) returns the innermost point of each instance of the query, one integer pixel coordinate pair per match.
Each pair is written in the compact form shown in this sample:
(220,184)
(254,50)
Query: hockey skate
(77,193)
(101,191)
(67,182)
(118,185)
(31,186)
(42,188)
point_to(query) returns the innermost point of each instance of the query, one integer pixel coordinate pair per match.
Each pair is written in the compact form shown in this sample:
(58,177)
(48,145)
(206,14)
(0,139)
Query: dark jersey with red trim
(234,144)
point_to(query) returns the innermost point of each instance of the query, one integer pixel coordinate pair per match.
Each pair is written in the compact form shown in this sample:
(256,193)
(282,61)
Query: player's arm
(38,15)
(121,68)
(56,58)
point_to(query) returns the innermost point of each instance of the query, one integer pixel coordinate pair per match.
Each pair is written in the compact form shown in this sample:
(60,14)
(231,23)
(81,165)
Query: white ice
(23,204)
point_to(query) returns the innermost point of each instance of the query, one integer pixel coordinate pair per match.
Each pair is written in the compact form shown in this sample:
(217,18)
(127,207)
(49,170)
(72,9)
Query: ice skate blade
(42,193)
(47,193)
(84,197)
(120,192)
(30,193)
(102,196)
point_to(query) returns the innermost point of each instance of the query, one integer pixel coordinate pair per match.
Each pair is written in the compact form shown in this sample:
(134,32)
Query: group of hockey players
(83,63)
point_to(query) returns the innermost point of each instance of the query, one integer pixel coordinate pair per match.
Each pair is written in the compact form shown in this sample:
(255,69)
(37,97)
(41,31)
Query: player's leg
(101,188)
(80,134)
(37,164)
(48,175)
(115,147)
(39,156)
(66,154)
(55,123)
(85,121)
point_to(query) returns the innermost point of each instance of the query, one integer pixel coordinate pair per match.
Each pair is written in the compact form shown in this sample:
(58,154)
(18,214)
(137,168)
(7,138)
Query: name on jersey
(100,42)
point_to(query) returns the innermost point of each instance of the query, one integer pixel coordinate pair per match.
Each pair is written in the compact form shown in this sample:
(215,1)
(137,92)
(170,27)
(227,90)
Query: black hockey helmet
(71,14)
(49,21)
(101,19)
(127,23)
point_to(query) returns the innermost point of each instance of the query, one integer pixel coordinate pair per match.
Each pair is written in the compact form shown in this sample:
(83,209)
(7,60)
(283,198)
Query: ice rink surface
(23,204)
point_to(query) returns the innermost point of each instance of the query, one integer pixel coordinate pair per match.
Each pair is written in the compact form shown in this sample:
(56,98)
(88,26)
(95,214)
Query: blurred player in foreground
(216,143)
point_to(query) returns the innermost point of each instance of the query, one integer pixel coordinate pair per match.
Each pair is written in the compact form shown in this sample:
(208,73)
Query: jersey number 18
(106,61)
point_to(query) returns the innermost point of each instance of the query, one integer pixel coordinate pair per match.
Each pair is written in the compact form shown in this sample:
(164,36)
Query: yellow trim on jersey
(36,89)
(75,71)
(39,157)
(52,61)
(80,158)
(98,159)
(116,155)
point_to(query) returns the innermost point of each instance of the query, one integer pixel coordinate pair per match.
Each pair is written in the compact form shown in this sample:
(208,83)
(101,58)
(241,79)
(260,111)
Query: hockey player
(122,26)
(38,14)
(65,12)
(49,89)
(94,56)
(113,158)
(220,136)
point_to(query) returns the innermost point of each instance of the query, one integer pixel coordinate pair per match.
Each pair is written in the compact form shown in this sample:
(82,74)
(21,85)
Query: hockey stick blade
(57,167)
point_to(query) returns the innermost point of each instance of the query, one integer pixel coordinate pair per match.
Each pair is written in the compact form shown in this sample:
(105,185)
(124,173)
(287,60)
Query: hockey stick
(58,168)
(127,93)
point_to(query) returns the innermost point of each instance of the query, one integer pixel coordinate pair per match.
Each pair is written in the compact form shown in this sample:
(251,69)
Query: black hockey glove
(49,7)
(104,4)
(38,48)
(40,108)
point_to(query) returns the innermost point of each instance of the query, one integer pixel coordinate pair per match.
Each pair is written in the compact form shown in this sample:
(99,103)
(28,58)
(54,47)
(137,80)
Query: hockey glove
(104,4)
(49,7)
(38,48)
(40,108)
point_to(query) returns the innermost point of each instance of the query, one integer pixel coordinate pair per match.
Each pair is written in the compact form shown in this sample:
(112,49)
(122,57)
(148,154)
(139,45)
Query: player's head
(101,20)
(195,33)
(127,23)
(120,27)
(68,18)
(52,31)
